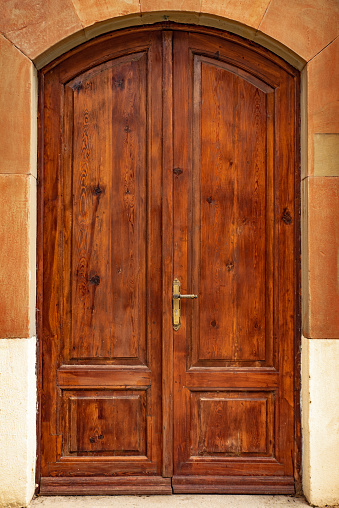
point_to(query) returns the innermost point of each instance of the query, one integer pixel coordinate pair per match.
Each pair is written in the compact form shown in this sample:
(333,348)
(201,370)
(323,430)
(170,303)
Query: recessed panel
(229,217)
(232,424)
(109,209)
(102,423)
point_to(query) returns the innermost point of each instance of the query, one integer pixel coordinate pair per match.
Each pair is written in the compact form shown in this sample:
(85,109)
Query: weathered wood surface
(168,153)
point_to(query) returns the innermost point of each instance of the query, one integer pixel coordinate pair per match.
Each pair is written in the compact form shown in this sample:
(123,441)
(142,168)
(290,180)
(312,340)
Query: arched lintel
(144,19)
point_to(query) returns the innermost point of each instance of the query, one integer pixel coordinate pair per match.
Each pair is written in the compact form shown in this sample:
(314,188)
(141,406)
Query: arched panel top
(237,71)
(243,57)
(101,51)
(118,77)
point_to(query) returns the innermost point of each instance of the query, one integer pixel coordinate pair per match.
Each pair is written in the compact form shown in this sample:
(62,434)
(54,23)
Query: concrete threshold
(175,501)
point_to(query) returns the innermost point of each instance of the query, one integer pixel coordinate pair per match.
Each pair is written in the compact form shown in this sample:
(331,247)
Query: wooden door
(167,153)
(101,333)
(234,246)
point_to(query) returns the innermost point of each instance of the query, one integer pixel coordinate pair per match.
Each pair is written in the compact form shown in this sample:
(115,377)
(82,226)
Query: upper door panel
(232,216)
(108,204)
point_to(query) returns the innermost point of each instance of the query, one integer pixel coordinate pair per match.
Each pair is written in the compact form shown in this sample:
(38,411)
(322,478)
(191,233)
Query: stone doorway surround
(304,33)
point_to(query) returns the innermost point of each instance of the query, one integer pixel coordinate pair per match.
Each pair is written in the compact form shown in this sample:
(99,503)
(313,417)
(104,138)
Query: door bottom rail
(233,485)
(103,486)
(157,485)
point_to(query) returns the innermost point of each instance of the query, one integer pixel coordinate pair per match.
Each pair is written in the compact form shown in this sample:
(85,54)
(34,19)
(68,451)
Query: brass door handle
(176,303)
(192,297)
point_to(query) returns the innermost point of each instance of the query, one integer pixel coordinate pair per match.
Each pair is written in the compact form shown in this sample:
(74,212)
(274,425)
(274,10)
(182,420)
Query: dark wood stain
(180,158)
(177,171)
(286,216)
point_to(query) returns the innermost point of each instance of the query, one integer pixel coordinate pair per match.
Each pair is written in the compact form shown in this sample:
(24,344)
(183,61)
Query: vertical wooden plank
(297,291)
(196,226)
(167,256)
(286,270)
(129,196)
(250,239)
(68,219)
(52,267)
(182,206)
(213,205)
(276,259)
(270,240)
(154,250)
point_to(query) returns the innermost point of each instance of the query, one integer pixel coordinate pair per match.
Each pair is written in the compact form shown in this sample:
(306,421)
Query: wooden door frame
(167,221)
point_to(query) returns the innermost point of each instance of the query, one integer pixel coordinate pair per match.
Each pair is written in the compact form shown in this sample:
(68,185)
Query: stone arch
(189,18)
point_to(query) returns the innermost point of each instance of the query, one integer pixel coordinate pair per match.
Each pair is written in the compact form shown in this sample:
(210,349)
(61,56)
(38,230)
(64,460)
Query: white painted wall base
(320,420)
(17,421)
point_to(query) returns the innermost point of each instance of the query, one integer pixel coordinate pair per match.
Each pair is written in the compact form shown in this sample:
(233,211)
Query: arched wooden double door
(168,153)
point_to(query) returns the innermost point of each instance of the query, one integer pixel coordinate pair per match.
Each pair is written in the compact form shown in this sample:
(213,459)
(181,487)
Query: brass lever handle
(192,297)
(176,303)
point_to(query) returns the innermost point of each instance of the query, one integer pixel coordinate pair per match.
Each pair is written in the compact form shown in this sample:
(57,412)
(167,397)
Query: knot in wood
(286,216)
(177,171)
(119,83)
(95,280)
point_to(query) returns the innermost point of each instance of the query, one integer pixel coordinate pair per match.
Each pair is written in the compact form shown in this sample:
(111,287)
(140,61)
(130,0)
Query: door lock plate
(176,304)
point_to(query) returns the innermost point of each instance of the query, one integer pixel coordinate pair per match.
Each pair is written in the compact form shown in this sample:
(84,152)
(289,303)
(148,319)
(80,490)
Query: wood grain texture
(70,376)
(232,142)
(169,151)
(101,205)
(167,254)
(229,247)
(232,424)
(109,212)
(105,423)
(233,485)
(139,485)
